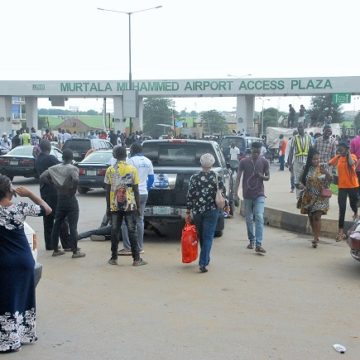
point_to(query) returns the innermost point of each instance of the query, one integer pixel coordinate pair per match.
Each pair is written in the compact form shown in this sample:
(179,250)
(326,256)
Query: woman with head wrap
(201,202)
(17,288)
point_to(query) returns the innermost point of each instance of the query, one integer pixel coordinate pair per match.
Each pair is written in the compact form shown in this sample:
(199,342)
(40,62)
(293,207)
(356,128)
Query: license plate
(14,162)
(91,172)
(75,154)
(161,210)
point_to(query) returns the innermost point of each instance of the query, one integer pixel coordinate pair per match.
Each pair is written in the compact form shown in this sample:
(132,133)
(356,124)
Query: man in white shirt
(5,142)
(234,152)
(146,179)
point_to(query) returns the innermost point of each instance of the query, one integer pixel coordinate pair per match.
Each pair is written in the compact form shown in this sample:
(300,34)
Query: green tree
(357,122)
(157,111)
(322,106)
(213,122)
(270,118)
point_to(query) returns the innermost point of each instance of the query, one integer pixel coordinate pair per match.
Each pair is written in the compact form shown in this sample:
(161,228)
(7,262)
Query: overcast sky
(72,40)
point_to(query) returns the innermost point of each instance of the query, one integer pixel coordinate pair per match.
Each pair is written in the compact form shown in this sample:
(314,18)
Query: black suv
(175,161)
(242,142)
(80,147)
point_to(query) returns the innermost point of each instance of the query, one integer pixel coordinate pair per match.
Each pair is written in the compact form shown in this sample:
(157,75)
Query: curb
(297,222)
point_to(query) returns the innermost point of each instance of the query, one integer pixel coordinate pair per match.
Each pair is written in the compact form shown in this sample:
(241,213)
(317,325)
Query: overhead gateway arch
(129,103)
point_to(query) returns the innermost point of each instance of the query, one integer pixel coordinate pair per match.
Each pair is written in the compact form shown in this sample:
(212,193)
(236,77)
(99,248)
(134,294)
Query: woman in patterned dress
(313,179)
(17,289)
(201,202)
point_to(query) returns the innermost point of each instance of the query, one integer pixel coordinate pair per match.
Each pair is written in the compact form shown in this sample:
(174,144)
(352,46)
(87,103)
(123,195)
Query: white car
(32,239)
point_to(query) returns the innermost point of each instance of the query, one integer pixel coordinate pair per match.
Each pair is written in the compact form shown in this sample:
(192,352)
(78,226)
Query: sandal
(315,243)
(340,237)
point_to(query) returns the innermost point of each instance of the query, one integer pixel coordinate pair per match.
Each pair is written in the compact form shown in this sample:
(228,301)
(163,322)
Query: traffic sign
(341,98)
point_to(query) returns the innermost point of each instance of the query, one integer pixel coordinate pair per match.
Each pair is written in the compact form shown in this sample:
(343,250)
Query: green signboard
(341,98)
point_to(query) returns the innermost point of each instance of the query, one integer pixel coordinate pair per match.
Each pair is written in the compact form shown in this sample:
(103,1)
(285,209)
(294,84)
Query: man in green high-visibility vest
(298,154)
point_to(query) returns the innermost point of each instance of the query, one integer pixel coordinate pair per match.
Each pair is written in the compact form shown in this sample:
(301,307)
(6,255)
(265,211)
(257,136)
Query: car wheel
(83,190)
(218,233)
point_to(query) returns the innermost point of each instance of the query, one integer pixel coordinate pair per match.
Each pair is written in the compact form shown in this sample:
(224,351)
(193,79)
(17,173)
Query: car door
(225,172)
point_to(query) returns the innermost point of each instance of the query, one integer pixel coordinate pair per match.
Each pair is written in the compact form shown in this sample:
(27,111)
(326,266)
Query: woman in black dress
(17,289)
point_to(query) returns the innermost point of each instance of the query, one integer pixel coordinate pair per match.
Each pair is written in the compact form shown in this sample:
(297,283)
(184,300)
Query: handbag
(219,198)
(326,192)
(189,243)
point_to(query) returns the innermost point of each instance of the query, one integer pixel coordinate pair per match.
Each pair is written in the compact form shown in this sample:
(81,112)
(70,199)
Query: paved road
(293,303)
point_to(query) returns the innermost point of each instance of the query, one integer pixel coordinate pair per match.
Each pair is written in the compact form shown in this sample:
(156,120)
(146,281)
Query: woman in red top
(348,183)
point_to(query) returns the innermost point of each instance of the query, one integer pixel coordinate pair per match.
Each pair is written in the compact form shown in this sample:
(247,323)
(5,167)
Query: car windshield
(81,145)
(99,157)
(21,151)
(238,141)
(183,154)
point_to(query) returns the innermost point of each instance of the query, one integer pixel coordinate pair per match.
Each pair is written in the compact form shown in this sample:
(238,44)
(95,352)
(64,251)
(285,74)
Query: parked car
(353,240)
(174,162)
(80,147)
(32,239)
(92,170)
(21,162)
(242,142)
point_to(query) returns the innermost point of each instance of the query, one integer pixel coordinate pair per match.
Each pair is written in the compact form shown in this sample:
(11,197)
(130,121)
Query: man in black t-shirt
(49,194)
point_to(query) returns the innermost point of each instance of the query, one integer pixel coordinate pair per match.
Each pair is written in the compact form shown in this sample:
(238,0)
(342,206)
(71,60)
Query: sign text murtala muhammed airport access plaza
(129,103)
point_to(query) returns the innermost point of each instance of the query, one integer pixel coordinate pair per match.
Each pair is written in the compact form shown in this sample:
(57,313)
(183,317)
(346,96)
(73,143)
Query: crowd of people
(127,183)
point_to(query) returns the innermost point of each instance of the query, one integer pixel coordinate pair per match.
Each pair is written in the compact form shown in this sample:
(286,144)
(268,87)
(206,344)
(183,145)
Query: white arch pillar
(31,109)
(5,114)
(137,123)
(119,123)
(245,113)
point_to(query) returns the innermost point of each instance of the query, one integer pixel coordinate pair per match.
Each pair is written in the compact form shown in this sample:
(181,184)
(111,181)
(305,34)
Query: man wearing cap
(325,145)
(256,170)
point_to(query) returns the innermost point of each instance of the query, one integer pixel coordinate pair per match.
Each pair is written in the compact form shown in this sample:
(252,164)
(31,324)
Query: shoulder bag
(219,198)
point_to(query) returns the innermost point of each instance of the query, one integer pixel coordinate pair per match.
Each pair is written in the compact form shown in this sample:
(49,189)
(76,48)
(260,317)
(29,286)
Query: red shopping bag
(189,243)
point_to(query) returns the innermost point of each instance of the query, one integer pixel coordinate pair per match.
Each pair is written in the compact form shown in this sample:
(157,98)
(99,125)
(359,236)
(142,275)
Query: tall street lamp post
(129,13)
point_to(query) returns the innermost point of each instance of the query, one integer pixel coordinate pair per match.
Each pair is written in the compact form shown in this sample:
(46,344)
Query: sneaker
(124,252)
(203,269)
(97,237)
(58,253)
(260,250)
(139,262)
(251,245)
(113,262)
(78,254)
(141,251)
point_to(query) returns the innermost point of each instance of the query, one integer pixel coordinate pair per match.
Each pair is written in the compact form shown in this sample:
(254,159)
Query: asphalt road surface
(293,303)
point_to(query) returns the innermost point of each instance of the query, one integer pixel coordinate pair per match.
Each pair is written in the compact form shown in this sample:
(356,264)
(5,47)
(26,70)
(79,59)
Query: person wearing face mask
(348,183)
(255,169)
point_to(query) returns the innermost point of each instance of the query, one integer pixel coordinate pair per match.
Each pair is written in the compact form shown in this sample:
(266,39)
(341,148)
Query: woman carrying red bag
(201,202)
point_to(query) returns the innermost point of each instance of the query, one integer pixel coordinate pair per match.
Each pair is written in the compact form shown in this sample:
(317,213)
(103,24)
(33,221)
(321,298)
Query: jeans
(130,219)
(104,230)
(342,196)
(205,225)
(282,162)
(48,222)
(139,226)
(254,208)
(67,207)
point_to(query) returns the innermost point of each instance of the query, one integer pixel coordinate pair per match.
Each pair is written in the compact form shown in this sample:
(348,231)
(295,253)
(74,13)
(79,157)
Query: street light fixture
(129,13)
